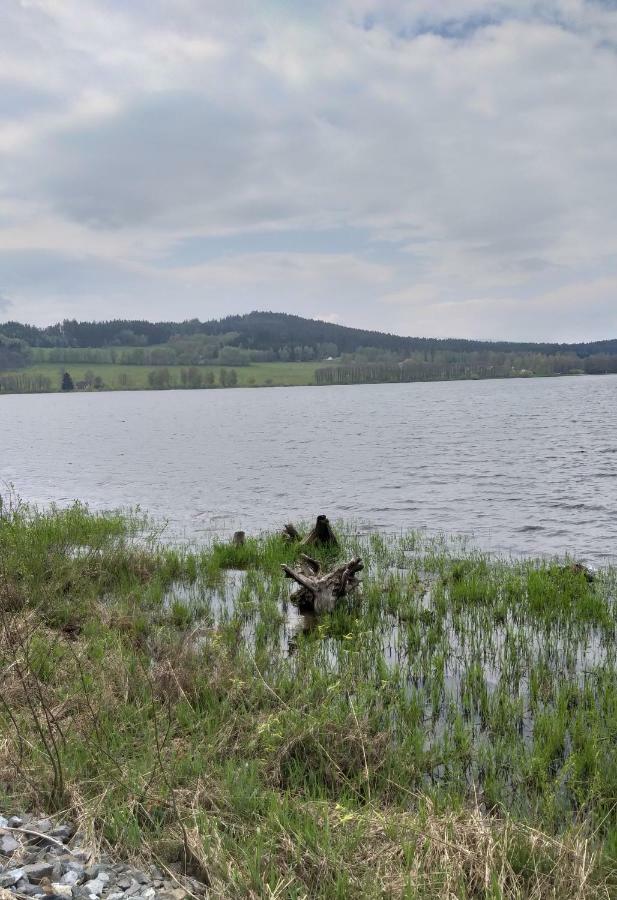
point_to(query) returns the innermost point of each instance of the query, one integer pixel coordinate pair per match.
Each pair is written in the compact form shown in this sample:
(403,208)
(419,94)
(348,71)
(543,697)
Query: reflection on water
(445,658)
(220,601)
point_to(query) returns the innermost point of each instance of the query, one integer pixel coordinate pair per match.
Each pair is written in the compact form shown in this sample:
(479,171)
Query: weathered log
(290,533)
(313,566)
(321,535)
(321,593)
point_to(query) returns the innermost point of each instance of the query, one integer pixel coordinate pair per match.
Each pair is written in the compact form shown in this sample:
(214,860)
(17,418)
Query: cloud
(570,313)
(457,156)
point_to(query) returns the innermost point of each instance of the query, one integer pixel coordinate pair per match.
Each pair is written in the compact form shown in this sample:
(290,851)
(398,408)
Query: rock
(141,877)
(8,845)
(148,893)
(37,871)
(94,887)
(11,877)
(15,822)
(125,882)
(62,833)
(29,890)
(75,865)
(72,877)
(61,890)
(3,822)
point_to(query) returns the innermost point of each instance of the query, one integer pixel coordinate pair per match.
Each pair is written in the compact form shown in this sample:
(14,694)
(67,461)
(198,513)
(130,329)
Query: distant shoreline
(244,380)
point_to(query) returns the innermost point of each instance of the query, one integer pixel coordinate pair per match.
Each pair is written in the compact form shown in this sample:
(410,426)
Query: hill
(271,331)
(267,348)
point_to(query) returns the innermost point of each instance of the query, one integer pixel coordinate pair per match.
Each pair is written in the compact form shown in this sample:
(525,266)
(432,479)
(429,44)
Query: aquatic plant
(449,731)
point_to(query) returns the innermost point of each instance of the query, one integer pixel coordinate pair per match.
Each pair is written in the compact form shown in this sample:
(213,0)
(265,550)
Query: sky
(430,167)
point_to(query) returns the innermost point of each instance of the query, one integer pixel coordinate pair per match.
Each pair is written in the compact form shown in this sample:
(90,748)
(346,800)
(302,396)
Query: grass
(122,377)
(451,732)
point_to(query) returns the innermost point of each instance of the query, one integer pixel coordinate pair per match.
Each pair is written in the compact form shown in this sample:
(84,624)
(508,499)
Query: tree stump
(321,592)
(290,533)
(321,535)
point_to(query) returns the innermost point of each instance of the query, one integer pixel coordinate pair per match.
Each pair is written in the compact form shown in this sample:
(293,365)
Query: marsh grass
(449,732)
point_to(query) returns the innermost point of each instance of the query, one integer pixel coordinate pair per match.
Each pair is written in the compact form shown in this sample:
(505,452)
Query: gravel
(52,863)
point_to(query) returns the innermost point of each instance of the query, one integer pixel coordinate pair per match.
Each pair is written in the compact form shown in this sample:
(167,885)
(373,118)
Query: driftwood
(320,592)
(291,533)
(321,535)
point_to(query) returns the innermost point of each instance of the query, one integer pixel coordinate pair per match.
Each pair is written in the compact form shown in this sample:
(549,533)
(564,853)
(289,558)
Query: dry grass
(443,856)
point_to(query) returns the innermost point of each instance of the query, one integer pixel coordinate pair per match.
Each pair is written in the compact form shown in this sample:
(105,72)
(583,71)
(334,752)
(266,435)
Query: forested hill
(259,329)
(268,331)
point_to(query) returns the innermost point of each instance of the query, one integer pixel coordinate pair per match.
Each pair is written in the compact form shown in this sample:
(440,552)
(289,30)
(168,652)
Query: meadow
(129,377)
(450,731)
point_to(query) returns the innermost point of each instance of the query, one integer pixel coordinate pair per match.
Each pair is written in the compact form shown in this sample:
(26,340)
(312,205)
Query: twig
(39,834)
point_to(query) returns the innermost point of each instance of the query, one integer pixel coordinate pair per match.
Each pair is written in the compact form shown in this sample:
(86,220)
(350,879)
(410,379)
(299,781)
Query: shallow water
(521,466)
(474,662)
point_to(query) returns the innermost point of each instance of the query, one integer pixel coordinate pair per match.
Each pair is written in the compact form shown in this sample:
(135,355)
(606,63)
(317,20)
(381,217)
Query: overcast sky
(429,167)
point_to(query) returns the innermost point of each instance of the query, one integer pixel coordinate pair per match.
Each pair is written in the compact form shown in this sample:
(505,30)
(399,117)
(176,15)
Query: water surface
(522,466)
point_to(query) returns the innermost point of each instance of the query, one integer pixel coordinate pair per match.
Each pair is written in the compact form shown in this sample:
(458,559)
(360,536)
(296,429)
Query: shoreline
(243,386)
(454,713)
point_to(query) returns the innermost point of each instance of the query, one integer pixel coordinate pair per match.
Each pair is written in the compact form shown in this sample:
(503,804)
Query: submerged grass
(450,732)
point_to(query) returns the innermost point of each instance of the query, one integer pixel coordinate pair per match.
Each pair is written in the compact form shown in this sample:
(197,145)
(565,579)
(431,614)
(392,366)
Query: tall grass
(449,732)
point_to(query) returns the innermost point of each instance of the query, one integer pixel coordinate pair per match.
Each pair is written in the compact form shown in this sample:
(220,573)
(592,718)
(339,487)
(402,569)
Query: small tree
(223,378)
(67,382)
(194,377)
(232,378)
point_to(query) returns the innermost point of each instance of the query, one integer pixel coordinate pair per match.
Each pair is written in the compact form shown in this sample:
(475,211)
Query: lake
(525,466)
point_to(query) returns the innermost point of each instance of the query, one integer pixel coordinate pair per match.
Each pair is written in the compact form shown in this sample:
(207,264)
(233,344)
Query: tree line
(194,351)
(509,366)
(270,332)
(158,379)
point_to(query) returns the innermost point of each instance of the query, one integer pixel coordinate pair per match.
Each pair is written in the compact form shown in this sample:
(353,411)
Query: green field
(450,731)
(122,377)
